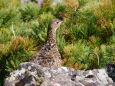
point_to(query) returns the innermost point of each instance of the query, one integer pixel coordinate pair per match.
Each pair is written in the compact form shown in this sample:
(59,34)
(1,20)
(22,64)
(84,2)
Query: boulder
(110,68)
(30,74)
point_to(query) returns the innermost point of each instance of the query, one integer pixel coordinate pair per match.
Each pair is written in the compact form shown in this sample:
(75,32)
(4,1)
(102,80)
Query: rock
(30,74)
(110,68)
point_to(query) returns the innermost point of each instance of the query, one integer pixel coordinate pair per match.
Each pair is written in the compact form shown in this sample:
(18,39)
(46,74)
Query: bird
(49,55)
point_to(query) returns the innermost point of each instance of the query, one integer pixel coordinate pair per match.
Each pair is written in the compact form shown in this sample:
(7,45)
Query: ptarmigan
(49,55)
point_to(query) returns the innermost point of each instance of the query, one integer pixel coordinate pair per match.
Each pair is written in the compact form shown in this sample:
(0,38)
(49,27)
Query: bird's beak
(62,22)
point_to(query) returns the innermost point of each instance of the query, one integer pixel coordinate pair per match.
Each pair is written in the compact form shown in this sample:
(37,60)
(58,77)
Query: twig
(13,30)
(96,56)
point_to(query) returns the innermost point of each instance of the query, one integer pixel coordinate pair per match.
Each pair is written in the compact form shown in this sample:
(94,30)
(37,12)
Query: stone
(30,74)
(110,68)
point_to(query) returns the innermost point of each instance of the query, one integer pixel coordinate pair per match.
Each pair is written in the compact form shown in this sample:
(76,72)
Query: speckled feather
(49,55)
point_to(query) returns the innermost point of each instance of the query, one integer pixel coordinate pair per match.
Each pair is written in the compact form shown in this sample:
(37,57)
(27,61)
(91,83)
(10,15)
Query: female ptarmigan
(49,55)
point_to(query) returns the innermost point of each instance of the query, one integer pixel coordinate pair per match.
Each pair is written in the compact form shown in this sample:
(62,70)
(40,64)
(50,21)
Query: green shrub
(104,13)
(20,49)
(106,54)
(9,16)
(39,28)
(29,11)
(5,35)
(77,53)
(3,3)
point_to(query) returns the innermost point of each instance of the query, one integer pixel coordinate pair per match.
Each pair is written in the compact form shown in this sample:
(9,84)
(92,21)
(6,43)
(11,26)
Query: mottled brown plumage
(49,55)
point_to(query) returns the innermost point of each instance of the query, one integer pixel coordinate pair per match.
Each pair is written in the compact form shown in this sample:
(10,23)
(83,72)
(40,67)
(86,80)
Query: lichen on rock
(30,74)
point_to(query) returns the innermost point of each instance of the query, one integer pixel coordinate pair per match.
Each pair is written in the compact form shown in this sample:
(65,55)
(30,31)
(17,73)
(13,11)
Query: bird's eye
(57,22)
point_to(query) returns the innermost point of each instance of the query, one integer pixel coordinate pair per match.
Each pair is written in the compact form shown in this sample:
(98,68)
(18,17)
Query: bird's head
(54,24)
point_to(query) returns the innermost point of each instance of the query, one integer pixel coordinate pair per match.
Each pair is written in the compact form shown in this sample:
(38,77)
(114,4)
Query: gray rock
(30,74)
(111,70)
